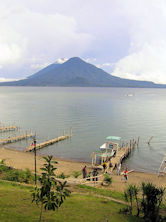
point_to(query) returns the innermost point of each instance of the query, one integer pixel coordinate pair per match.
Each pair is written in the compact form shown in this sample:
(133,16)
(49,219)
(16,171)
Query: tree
(151,201)
(135,193)
(51,193)
(129,196)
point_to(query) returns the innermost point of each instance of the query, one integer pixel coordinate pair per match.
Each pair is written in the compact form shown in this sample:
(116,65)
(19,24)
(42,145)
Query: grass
(16,205)
(100,191)
(11,174)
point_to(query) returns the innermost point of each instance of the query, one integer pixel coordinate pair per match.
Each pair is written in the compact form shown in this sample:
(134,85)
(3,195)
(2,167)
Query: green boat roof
(113,138)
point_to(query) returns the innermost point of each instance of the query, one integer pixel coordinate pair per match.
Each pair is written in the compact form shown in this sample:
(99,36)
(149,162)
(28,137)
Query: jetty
(112,153)
(121,154)
(16,138)
(8,128)
(49,142)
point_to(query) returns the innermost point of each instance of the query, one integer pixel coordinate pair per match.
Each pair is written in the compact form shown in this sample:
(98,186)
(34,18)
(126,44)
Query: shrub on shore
(11,174)
(148,205)
(62,176)
(76,174)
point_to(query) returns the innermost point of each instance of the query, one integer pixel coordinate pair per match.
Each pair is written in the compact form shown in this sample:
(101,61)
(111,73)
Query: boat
(129,94)
(112,142)
(107,150)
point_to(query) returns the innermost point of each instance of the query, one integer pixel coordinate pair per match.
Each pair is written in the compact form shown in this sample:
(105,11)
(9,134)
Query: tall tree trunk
(41,211)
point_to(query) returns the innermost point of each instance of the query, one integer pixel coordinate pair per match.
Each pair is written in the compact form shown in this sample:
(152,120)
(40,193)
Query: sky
(126,38)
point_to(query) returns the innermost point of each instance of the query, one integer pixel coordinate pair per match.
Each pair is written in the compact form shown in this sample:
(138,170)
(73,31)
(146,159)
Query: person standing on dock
(104,166)
(118,169)
(84,172)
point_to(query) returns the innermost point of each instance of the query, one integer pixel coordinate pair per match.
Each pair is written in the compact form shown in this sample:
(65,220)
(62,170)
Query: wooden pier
(16,138)
(8,128)
(115,160)
(122,154)
(49,142)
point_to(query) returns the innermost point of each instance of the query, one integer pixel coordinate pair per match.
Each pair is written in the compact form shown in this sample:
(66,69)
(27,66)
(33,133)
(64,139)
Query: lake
(93,114)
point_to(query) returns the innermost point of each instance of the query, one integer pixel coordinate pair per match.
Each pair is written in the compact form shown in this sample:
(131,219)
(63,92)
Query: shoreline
(78,161)
(21,160)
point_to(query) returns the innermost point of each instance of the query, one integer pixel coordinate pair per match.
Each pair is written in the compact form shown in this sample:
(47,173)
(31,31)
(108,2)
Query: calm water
(93,113)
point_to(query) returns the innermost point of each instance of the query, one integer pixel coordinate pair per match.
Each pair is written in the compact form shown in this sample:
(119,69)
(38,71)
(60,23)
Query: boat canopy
(113,138)
(103,146)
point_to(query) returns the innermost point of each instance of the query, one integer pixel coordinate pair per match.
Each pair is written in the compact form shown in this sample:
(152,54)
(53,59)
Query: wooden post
(35,159)
(150,140)
(71,131)
(138,141)
(95,158)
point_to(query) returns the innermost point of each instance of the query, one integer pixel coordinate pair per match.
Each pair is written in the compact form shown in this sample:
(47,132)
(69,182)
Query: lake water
(93,114)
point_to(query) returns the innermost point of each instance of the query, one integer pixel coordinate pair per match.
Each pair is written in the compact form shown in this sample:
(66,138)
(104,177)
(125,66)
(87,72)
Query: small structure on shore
(112,152)
(107,150)
(112,142)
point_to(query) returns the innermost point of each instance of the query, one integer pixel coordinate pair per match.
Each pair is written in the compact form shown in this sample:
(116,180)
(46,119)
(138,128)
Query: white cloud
(128,36)
(43,65)
(12,45)
(7,80)
(108,64)
(147,53)
(98,66)
(61,60)
(26,34)
(90,60)
(39,66)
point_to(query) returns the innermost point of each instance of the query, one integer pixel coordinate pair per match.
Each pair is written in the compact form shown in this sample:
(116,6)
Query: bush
(151,201)
(107,179)
(62,176)
(3,167)
(76,174)
(125,210)
(11,174)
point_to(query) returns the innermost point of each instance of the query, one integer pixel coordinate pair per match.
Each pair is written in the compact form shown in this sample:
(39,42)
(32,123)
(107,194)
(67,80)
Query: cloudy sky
(127,38)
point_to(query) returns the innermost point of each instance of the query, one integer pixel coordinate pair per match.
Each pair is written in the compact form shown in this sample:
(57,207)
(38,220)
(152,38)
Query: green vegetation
(131,195)
(76,174)
(11,174)
(16,206)
(86,204)
(149,205)
(100,191)
(107,179)
(62,176)
(51,193)
(151,201)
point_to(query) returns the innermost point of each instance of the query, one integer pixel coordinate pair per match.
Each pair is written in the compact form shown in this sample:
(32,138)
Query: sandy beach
(21,160)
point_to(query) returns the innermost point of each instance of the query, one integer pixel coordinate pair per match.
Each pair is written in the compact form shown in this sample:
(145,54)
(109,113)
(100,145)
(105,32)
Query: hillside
(76,72)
